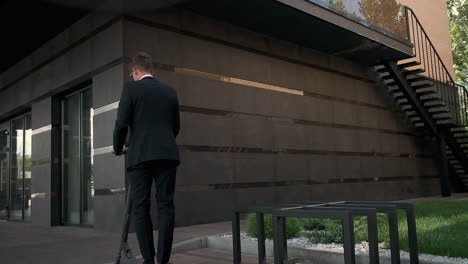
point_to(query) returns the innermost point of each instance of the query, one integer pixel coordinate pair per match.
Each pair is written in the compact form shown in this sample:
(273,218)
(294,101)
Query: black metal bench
(344,210)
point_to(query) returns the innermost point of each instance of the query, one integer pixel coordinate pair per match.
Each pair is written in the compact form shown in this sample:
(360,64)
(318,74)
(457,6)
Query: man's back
(150,108)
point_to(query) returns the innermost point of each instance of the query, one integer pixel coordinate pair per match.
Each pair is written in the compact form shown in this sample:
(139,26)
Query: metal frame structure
(343,210)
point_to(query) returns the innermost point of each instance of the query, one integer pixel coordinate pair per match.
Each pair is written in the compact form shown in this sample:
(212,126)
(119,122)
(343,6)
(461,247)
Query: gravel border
(361,248)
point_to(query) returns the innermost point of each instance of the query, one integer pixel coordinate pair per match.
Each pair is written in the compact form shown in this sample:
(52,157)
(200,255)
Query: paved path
(24,243)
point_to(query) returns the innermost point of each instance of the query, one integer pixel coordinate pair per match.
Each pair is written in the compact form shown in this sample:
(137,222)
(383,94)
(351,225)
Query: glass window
(71,159)
(27,167)
(16,169)
(4,152)
(77,158)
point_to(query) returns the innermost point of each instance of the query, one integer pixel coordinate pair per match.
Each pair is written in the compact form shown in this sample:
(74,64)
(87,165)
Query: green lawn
(442,228)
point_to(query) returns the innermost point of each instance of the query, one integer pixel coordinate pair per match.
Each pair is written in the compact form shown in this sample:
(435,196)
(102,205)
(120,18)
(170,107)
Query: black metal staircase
(424,89)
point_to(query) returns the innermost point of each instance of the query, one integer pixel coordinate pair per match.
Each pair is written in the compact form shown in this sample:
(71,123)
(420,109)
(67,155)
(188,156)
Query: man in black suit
(150,109)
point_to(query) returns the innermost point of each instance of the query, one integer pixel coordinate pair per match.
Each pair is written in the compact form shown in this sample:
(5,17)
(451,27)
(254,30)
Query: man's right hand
(124,151)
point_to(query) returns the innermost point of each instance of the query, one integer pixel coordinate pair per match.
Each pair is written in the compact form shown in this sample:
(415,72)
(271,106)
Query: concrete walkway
(24,243)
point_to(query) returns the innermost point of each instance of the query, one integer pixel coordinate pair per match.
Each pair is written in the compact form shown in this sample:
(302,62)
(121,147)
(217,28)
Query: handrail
(413,16)
(455,96)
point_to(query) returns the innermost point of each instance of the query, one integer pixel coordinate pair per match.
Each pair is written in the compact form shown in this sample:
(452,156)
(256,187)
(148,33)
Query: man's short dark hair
(143,62)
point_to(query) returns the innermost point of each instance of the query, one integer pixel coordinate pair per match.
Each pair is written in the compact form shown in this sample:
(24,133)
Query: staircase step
(418,124)
(413,72)
(408,64)
(434,104)
(438,110)
(387,77)
(382,70)
(426,91)
(420,80)
(394,90)
(429,98)
(417,79)
(440,118)
(461,135)
(421,86)
(445,121)
(459,129)
(406,108)
(460,171)
(457,166)
(392,84)
(398,96)
(441,115)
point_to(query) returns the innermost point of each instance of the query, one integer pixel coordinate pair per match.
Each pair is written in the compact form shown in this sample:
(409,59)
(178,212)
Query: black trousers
(141,177)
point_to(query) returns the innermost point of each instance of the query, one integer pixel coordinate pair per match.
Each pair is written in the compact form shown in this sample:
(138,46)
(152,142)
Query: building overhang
(311,25)
(28,24)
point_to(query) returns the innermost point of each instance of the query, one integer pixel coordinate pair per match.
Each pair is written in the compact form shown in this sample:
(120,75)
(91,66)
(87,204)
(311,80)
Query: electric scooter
(125,254)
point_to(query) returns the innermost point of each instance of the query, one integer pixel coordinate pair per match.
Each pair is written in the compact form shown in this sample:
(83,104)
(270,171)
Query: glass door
(77,159)
(15,169)
(4,168)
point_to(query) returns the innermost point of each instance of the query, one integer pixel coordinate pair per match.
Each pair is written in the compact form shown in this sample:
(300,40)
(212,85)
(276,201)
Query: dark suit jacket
(150,109)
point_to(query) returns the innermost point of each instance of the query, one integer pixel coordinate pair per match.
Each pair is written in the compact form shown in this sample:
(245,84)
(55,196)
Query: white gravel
(361,248)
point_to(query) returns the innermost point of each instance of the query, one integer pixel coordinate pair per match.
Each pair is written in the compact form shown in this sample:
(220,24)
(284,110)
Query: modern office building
(281,100)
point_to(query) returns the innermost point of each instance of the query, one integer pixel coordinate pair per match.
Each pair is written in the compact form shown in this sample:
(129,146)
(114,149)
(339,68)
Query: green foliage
(293,226)
(458,19)
(323,230)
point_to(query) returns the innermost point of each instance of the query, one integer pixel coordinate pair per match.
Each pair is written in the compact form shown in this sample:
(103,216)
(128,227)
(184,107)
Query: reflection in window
(27,167)
(388,15)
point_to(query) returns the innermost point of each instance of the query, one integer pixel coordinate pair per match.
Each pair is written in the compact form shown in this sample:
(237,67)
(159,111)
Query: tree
(338,4)
(458,21)
(386,14)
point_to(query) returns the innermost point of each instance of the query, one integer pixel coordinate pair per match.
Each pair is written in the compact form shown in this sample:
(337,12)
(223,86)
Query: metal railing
(453,95)
(463,102)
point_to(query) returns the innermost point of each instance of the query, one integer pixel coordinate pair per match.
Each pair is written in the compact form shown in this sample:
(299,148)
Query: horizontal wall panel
(205,168)
(41,146)
(109,212)
(109,171)
(192,53)
(203,207)
(103,128)
(107,85)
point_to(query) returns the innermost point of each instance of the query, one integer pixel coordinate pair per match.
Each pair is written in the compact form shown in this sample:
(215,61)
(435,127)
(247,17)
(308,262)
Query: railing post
(407,24)
(444,170)
(261,238)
